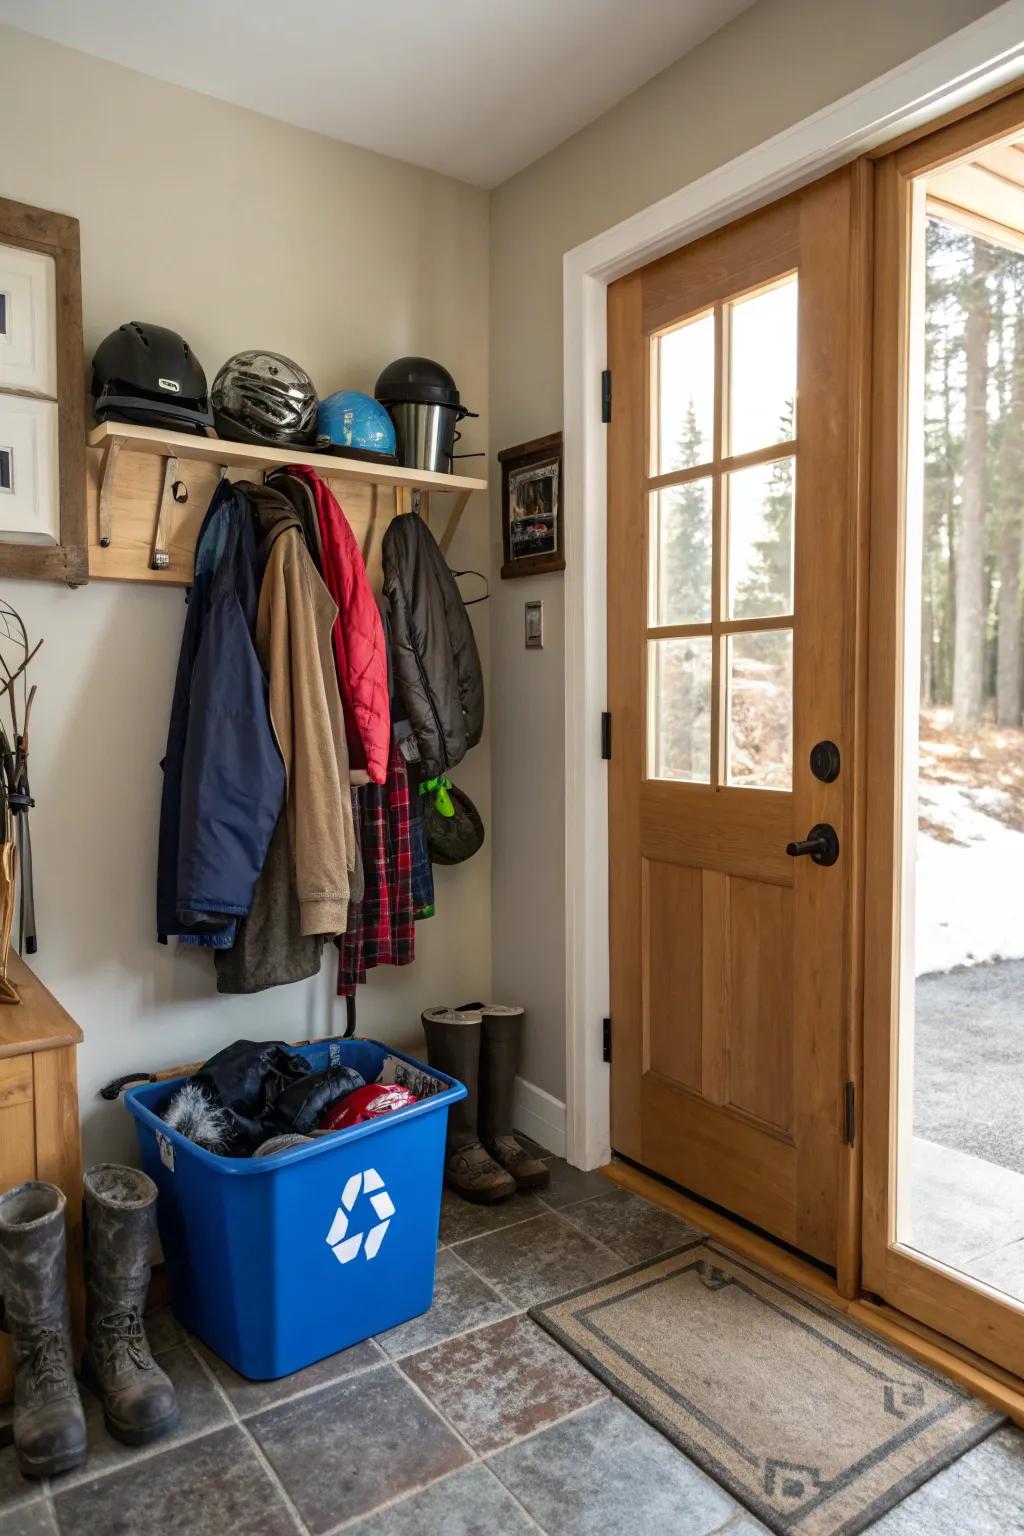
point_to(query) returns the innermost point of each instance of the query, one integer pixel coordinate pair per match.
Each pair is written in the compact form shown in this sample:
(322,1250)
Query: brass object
(8,883)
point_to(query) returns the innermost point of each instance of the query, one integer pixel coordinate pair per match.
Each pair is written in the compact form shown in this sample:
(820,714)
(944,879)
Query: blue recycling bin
(276,1262)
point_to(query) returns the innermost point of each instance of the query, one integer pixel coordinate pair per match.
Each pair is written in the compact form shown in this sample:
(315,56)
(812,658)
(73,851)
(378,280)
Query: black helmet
(262,397)
(451,821)
(418,380)
(149,374)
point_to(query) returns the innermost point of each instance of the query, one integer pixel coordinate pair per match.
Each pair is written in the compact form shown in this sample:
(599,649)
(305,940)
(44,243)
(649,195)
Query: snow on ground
(969,889)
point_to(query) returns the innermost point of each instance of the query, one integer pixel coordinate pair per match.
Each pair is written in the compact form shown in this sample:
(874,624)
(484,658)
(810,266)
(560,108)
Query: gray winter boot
(453,1046)
(499,1063)
(49,1427)
(139,1403)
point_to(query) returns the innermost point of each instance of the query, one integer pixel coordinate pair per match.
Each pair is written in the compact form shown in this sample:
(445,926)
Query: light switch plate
(534,625)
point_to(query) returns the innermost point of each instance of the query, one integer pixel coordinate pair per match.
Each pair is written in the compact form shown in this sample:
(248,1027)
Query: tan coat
(293,641)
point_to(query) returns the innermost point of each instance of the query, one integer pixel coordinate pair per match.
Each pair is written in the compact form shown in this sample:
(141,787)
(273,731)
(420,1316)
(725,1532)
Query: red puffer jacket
(358,637)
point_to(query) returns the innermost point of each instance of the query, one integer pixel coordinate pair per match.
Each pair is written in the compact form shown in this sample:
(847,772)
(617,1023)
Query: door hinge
(606,736)
(606,1039)
(849,1114)
(606,395)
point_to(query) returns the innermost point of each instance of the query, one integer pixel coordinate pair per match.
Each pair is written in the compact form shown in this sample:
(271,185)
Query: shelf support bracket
(106,509)
(454,518)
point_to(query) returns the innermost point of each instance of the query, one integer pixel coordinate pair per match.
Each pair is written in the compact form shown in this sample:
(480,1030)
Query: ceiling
(985,192)
(476,89)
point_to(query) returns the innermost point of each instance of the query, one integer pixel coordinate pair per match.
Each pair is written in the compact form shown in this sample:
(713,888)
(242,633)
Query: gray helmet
(262,397)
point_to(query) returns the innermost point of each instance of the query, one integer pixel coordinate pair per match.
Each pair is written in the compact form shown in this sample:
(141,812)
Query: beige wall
(237,231)
(772,66)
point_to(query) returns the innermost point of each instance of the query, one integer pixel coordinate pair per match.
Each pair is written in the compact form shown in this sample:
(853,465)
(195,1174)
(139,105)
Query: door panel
(673,912)
(734,558)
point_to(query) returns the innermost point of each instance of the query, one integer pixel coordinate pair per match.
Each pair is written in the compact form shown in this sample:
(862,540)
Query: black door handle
(821,843)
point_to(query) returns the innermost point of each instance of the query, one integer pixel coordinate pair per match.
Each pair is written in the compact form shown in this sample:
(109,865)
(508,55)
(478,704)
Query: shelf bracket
(454,518)
(106,509)
(371,527)
(159,555)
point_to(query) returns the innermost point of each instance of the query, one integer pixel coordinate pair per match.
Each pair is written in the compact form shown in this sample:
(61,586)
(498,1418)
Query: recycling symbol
(345,1247)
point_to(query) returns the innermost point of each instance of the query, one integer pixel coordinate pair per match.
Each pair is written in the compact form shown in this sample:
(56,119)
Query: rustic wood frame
(57,235)
(540,451)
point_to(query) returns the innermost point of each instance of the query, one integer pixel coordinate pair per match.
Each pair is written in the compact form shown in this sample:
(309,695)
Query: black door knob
(821,844)
(825,761)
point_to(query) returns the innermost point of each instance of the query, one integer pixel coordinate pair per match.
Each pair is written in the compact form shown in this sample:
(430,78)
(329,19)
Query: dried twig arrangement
(15,656)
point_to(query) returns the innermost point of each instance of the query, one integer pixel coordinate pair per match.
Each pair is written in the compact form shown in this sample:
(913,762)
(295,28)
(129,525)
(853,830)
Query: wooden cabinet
(39,1136)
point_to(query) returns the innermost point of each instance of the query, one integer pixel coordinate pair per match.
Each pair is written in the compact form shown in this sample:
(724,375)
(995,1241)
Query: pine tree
(684,574)
(969,628)
(768,587)
(684,597)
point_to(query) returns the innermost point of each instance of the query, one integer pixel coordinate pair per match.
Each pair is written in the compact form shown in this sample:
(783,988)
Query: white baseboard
(540,1116)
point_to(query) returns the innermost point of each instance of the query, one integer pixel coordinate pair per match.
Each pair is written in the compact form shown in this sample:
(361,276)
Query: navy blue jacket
(223,774)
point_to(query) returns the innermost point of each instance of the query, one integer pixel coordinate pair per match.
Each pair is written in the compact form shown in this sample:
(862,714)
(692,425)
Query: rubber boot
(139,1402)
(453,1046)
(49,1426)
(502,1034)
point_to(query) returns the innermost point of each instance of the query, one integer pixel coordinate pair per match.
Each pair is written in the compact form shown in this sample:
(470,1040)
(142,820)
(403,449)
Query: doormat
(812,1422)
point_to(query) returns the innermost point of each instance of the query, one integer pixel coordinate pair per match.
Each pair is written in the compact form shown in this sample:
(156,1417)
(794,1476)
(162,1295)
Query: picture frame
(531,507)
(43,532)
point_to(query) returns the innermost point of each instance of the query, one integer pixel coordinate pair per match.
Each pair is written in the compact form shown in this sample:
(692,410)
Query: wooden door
(943,1202)
(734,561)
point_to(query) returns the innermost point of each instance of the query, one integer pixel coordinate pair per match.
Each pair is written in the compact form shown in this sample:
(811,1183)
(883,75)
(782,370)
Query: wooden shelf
(132,512)
(219,451)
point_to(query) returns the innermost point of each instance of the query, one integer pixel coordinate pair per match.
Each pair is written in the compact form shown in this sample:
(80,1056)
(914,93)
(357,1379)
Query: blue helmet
(356,425)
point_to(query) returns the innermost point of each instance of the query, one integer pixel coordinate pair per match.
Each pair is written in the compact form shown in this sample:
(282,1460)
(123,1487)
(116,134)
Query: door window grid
(707,760)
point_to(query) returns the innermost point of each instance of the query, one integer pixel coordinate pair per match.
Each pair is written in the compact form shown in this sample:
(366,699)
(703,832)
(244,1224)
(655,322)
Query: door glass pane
(686,395)
(760,503)
(961,1059)
(680,579)
(762,368)
(679,709)
(759,668)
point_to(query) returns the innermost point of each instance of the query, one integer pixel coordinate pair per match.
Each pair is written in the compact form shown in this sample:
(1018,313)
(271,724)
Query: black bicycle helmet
(148,374)
(262,397)
(452,822)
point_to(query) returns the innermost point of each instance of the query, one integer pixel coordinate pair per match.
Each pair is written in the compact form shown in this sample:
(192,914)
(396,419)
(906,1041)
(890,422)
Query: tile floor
(468,1421)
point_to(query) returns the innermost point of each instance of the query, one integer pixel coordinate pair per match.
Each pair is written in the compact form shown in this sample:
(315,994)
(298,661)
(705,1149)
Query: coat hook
(159,555)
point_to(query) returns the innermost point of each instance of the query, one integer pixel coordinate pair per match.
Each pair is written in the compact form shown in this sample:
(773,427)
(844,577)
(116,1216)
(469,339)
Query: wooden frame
(535,455)
(979,1317)
(57,235)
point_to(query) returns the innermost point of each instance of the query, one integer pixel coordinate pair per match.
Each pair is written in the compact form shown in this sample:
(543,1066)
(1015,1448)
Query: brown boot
(453,1046)
(499,1062)
(139,1401)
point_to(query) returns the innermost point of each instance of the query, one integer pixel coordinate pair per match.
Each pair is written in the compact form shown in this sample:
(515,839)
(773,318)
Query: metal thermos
(425,434)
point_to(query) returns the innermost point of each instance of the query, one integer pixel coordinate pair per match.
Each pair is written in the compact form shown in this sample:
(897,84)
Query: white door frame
(982,56)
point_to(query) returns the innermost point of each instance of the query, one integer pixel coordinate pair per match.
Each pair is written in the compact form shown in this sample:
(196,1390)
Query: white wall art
(29,507)
(28,332)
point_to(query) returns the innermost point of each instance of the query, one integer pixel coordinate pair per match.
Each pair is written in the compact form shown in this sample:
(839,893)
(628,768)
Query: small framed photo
(531,507)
